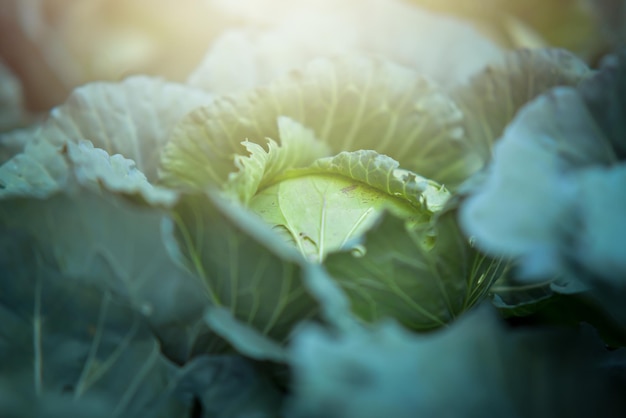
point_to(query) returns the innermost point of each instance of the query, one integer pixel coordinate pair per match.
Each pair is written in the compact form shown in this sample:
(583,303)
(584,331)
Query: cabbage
(313,236)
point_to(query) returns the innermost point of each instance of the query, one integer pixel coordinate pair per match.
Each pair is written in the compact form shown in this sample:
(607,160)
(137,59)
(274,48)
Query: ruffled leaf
(298,148)
(133,118)
(328,206)
(384,173)
(44,169)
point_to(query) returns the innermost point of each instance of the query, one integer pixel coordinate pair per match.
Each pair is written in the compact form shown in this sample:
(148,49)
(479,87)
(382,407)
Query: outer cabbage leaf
(605,98)
(471,367)
(79,351)
(514,299)
(424,275)
(229,387)
(530,304)
(39,171)
(44,169)
(117,246)
(243,266)
(334,303)
(350,103)
(245,339)
(48,405)
(603,233)
(121,261)
(14,142)
(94,167)
(64,340)
(528,212)
(516,296)
(133,117)
(490,100)
(562,212)
(260,288)
(64,191)
(281,36)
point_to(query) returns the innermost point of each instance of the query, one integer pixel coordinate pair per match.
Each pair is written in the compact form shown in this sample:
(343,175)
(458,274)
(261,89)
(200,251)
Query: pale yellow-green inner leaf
(323,213)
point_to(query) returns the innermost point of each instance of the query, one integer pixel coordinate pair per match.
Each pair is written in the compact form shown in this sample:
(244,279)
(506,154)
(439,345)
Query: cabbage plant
(324,177)
(352,162)
(211,240)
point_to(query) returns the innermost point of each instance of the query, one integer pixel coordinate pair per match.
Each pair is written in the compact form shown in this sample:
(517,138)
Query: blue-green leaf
(492,98)
(473,366)
(64,341)
(424,275)
(243,265)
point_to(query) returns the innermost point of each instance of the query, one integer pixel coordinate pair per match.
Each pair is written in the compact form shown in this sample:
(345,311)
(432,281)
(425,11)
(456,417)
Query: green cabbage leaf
(554,197)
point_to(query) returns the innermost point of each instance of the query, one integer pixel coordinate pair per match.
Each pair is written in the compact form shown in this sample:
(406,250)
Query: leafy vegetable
(386,370)
(68,340)
(129,120)
(245,339)
(425,278)
(132,118)
(14,142)
(329,205)
(229,386)
(131,250)
(561,214)
(424,275)
(78,350)
(493,96)
(319,241)
(298,148)
(324,205)
(243,266)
